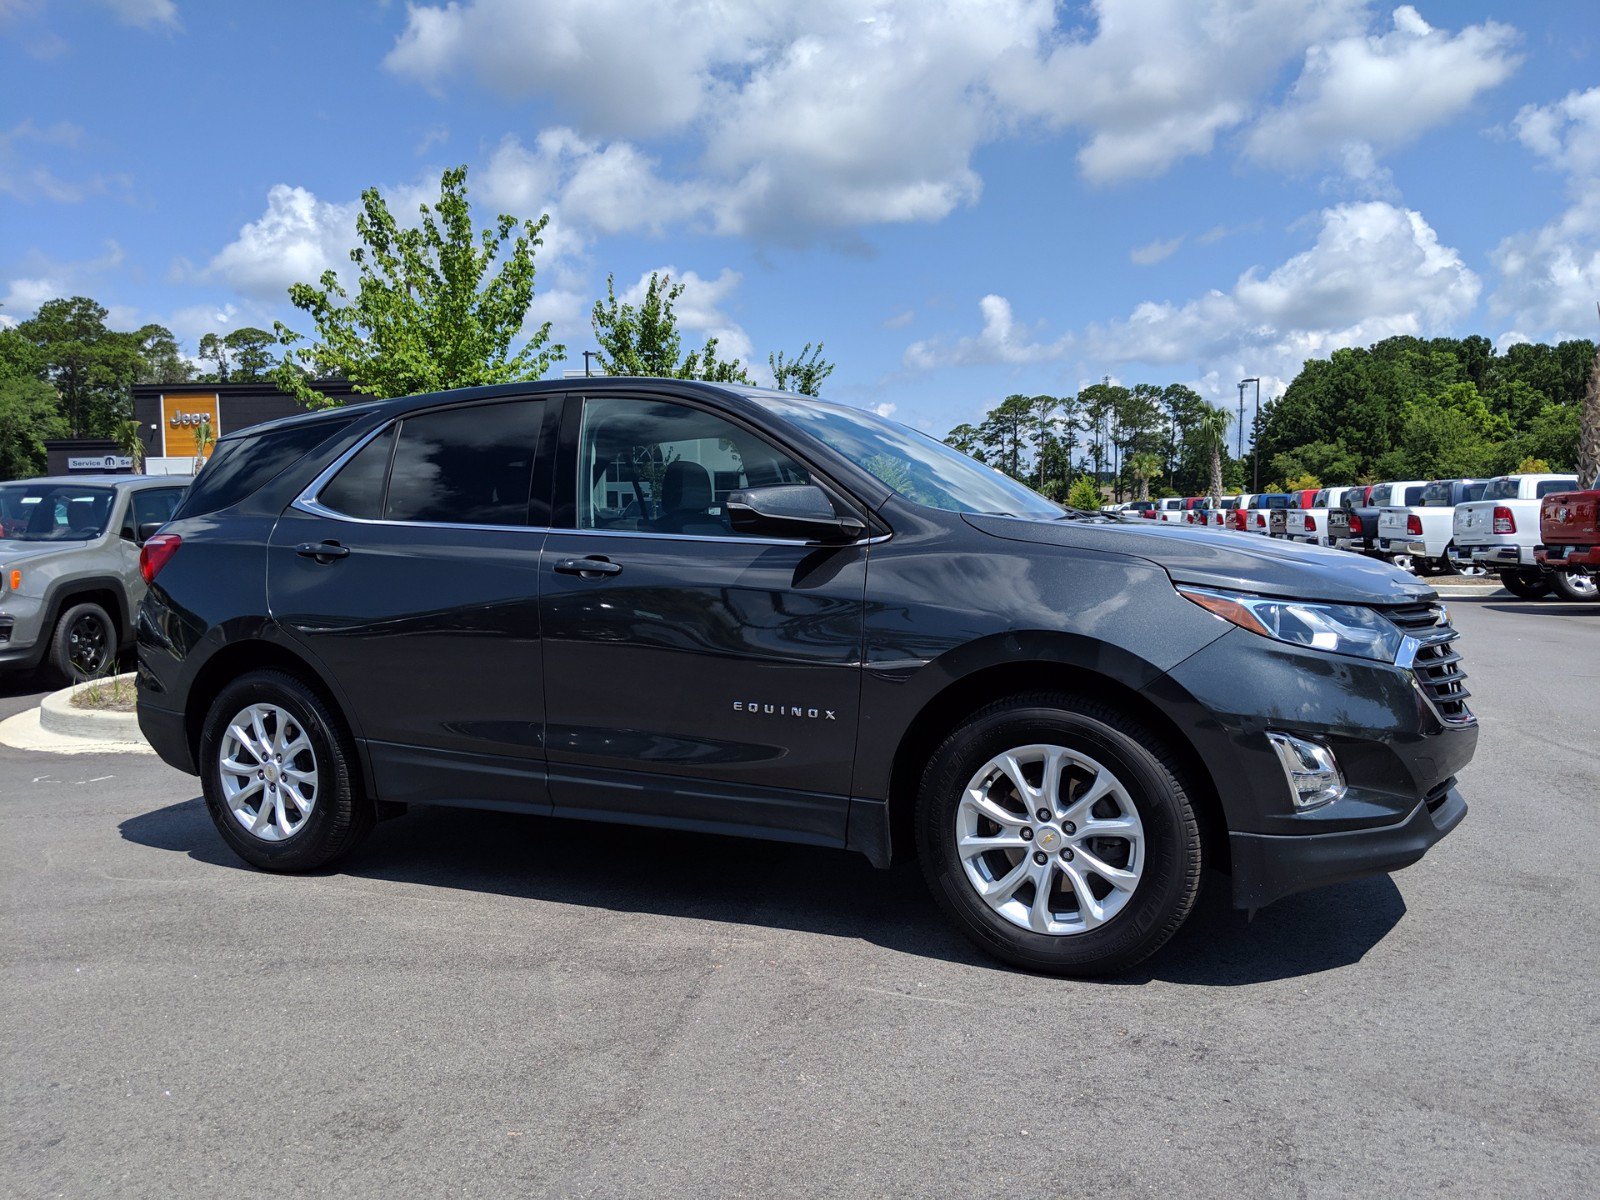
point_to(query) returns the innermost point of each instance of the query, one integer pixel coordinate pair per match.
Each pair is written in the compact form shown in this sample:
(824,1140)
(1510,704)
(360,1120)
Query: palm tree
(130,443)
(1589,430)
(1212,429)
(204,438)
(1142,466)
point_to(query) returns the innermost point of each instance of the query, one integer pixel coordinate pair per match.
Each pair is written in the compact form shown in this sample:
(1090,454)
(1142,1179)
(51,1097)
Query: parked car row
(1508,525)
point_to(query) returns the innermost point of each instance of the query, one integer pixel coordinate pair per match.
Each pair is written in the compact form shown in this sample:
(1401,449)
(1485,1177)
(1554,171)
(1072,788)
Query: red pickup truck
(1569,528)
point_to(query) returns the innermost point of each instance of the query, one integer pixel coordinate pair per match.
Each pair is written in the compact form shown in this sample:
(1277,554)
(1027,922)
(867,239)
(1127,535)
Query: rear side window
(1554,485)
(456,466)
(1436,495)
(241,465)
(1380,496)
(1413,496)
(1501,489)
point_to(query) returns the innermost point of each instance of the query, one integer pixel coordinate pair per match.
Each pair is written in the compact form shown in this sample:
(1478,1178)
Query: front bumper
(1268,867)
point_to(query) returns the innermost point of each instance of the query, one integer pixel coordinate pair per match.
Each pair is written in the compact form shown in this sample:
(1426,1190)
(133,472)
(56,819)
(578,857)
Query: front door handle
(323,552)
(590,567)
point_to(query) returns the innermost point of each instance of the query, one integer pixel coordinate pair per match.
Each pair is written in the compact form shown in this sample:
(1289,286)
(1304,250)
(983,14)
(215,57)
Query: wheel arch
(105,590)
(962,697)
(237,658)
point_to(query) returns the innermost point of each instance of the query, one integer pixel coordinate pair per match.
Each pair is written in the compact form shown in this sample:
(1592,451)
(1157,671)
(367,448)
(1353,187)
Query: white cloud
(22,180)
(1382,91)
(886,409)
(295,240)
(1549,278)
(900,319)
(1001,340)
(1375,270)
(1153,252)
(47,279)
(145,14)
(811,115)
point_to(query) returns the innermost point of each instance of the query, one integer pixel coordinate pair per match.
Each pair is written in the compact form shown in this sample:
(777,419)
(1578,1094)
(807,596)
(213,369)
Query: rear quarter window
(241,465)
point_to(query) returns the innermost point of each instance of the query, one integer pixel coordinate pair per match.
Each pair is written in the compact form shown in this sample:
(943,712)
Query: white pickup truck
(1310,525)
(1172,508)
(1417,537)
(1501,531)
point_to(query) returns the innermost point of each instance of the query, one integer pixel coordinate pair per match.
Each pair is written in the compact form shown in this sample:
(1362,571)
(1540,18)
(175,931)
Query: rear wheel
(277,767)
(1450,566)
(1574,585)
(84,644)
(1056,834)
(1526,583)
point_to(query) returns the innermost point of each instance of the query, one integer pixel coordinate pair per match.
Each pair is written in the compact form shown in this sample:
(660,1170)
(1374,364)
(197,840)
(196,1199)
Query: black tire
(83,644)
(339,818)
(1526,583)
(1449,566)
(1573,585)
(1170,878)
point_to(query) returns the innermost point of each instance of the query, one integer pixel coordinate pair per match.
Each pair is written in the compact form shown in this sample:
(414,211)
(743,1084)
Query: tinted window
(240,465)
(1380,496)
(1413,496)
(1501,489)
(465,466)
(650,466)
(154,506)
(1555,485)
(1472,491)
(1436,495)
(357,490)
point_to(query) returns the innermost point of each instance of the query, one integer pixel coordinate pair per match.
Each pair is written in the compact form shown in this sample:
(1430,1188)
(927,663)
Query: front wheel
(84,644)
(1056,834)
(1574,585)
(1526,583)
(278,770)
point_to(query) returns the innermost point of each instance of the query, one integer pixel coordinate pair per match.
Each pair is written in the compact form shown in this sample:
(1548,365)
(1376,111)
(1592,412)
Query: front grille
(1437,666)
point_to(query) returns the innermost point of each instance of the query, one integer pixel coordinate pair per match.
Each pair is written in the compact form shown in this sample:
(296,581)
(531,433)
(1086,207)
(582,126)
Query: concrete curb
(57,727)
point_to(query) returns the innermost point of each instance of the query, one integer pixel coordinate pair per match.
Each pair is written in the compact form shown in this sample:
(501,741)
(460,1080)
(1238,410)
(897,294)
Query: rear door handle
(323,552)
(593,565)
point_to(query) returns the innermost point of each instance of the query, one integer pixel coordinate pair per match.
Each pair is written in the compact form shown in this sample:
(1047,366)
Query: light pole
(1239,453)
(1255,427)
(588,354)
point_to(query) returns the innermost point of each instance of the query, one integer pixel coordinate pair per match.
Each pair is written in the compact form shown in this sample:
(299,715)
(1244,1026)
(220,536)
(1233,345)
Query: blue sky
(962,198)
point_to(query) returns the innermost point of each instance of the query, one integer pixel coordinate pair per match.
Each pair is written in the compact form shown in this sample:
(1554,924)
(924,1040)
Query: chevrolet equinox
(748,612)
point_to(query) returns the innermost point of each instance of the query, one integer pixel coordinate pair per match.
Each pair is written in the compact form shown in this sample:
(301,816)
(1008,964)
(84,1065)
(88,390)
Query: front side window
(54,512)
(154,506)
(648,466)
(456,466)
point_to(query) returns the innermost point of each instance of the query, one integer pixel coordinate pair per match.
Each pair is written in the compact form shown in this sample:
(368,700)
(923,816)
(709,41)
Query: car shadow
(1546,608)
(629,869)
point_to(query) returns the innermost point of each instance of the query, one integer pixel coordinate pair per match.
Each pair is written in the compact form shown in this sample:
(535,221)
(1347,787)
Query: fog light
(1312,771)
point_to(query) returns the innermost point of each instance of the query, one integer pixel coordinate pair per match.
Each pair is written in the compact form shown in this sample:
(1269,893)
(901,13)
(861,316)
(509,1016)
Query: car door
(693,677)
(409,570)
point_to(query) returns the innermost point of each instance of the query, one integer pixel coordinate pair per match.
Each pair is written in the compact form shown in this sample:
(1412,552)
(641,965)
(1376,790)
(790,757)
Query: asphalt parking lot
(493,1005)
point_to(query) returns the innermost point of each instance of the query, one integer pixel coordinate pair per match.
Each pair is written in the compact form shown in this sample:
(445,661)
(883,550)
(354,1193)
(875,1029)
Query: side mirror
(790,511)
(148,530)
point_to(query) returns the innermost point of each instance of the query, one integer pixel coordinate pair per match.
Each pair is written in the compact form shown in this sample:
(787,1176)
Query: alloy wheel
(269,772)
(88,643)
(1050,839)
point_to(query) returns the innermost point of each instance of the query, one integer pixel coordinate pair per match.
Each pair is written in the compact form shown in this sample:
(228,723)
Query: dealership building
(169,416)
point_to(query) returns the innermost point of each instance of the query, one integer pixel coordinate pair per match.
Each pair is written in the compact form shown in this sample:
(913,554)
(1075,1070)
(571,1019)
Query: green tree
(1144,466)
(965,438)
(28,415)
(1084,495)
(644,339)
(1211,430)
(1588,455)
(803,373)
(1005,434)
(431,311)
(129,439)
(1451,434)
(91,367)
(159,357)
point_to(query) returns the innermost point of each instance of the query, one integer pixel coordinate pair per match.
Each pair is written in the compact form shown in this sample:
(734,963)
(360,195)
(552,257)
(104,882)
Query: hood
(13,551)
(1245,562)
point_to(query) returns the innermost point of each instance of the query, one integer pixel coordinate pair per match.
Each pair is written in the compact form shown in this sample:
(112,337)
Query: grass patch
(115,694)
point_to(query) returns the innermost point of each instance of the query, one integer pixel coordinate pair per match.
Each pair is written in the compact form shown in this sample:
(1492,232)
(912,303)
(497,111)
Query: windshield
(53,512)
(916,466)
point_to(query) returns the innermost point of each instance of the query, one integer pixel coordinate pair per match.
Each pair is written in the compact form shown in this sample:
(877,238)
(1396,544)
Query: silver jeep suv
(69,567)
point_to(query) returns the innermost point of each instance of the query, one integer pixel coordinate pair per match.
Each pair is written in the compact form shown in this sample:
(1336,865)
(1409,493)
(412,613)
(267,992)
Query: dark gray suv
(747,612)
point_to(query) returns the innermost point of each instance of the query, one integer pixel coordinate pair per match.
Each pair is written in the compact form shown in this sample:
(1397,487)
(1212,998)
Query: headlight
(1337,628)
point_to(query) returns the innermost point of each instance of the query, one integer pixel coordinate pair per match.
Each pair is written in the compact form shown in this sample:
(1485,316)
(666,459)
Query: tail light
(1149,514)
(1414,525)
(156,553)
(1355,523)
(1504,522)
(1311,523)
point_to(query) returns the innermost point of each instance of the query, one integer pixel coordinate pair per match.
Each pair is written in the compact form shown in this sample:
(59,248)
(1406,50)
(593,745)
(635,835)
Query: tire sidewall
(309,846)
(1561,583)
(1171,836)
(1522,586)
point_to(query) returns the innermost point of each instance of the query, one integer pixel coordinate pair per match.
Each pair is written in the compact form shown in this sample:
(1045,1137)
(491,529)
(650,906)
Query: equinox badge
(756,708)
